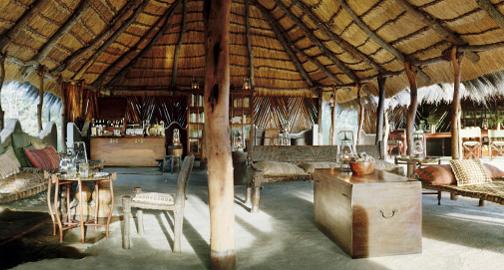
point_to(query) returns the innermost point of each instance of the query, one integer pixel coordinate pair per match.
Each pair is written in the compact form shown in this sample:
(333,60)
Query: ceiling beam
(309,34)
(152,31)
(250,53)
(437,26)
(32,10)
(286,43)
(345,45)
(99,39)
(69,23)
(179,44)
(492,11)
(378,40)
(110,40)
(158,34)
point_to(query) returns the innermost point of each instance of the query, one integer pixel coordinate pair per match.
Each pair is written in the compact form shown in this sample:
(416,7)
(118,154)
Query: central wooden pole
(41,74)
(64,119)
(220,168)
(412,109)
(380,116)
(456,148)
(2,78)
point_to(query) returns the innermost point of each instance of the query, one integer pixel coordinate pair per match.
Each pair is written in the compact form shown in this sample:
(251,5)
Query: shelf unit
(240,118)
(196,122)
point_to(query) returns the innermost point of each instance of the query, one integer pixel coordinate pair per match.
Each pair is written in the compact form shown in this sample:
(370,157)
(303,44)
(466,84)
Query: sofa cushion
(9,165)
(19,142)
(469,172)
(493,171)
(310,167)
(277,168)
(46,159)
(436,175)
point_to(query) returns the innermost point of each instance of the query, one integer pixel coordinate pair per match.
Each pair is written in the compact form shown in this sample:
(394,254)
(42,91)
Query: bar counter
(128,151)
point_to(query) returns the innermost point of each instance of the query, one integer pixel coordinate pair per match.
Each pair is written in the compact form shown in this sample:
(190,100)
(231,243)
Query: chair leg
(256,197)
(481,203)
(439,197)
(126,201)
(248,194)
(179,222)
(139,215)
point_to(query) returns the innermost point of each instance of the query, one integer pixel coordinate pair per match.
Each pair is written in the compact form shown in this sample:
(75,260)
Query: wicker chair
(159,201)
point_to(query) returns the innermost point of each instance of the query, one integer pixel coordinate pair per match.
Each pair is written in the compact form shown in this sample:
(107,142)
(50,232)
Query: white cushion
(277,168)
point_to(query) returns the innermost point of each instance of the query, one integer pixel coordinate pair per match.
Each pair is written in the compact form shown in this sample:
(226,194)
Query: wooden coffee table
(374,215)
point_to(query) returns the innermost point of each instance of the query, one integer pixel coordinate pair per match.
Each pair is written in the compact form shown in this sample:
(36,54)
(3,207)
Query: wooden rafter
(100,39)
(158,34)
(69,23)
(287,44)
(436,25)
(161,20)
(345,45)
(250,53)
(110,40)
(2,78)
(309,34)
(377,39)
(33,9)
(492,11)
(176,54)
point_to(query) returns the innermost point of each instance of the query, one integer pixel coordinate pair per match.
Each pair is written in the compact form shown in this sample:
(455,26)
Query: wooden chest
(128,151)
(373,215)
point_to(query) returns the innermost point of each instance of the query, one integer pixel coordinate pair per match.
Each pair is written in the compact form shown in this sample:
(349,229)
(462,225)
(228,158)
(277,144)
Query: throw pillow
(9,165)
(469,172)
(45,159)
(277,168)
(19,142)
(436,175)
(493,171)
(37,144)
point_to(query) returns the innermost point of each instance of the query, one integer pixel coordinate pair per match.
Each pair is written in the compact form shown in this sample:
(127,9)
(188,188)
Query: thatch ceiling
(297,46)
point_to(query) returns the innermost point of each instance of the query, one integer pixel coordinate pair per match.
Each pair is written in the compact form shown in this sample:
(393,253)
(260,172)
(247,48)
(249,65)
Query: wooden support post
(2,78)
(250,52)
(319,119)
(362,110)
(386,133)
(334,114)
(218,146)
(412,108)
(456,60)
(64,119)
(41,74)
(380,114)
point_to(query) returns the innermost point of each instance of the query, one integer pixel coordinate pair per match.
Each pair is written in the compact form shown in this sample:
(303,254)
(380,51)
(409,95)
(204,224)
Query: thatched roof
(297,46)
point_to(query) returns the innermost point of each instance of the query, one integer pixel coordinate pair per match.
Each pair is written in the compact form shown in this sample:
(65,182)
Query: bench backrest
(295,153)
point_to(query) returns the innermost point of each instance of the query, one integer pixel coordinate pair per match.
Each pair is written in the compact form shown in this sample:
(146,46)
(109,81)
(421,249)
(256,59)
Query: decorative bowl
(362,167)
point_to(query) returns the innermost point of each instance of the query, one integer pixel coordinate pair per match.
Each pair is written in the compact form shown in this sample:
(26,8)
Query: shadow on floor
(27,237)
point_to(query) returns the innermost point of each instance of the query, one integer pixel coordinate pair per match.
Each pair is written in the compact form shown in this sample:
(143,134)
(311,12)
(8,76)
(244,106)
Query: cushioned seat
(154,198)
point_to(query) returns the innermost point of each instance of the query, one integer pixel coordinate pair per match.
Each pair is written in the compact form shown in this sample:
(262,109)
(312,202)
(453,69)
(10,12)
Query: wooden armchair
(496,142)
(159,201)
(471,142)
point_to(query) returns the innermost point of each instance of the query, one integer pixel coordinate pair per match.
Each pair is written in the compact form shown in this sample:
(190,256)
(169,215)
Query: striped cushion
(45,159)
(469,172)
(9,165)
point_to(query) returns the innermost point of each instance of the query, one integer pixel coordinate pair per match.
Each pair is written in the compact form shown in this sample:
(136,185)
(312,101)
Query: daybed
(28,181)
(441,178)
(293,163)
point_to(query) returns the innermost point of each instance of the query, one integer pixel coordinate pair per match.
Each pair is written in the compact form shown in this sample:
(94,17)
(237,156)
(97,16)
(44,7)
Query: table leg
(51,213)
(56,211)
(81,210)
(68,187)
(111,206)
(97,202)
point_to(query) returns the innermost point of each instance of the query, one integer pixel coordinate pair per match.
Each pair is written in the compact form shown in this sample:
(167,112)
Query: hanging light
(195,84)
(332,101)
(246,84)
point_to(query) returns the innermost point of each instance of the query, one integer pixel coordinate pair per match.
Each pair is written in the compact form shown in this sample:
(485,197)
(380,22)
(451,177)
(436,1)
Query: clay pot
(362,167)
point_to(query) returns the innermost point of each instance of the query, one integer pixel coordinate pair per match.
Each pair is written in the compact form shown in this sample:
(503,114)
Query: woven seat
(154,198)
(159,201)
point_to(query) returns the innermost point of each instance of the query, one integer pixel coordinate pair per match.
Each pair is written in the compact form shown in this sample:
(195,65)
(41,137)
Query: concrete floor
(456,235)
